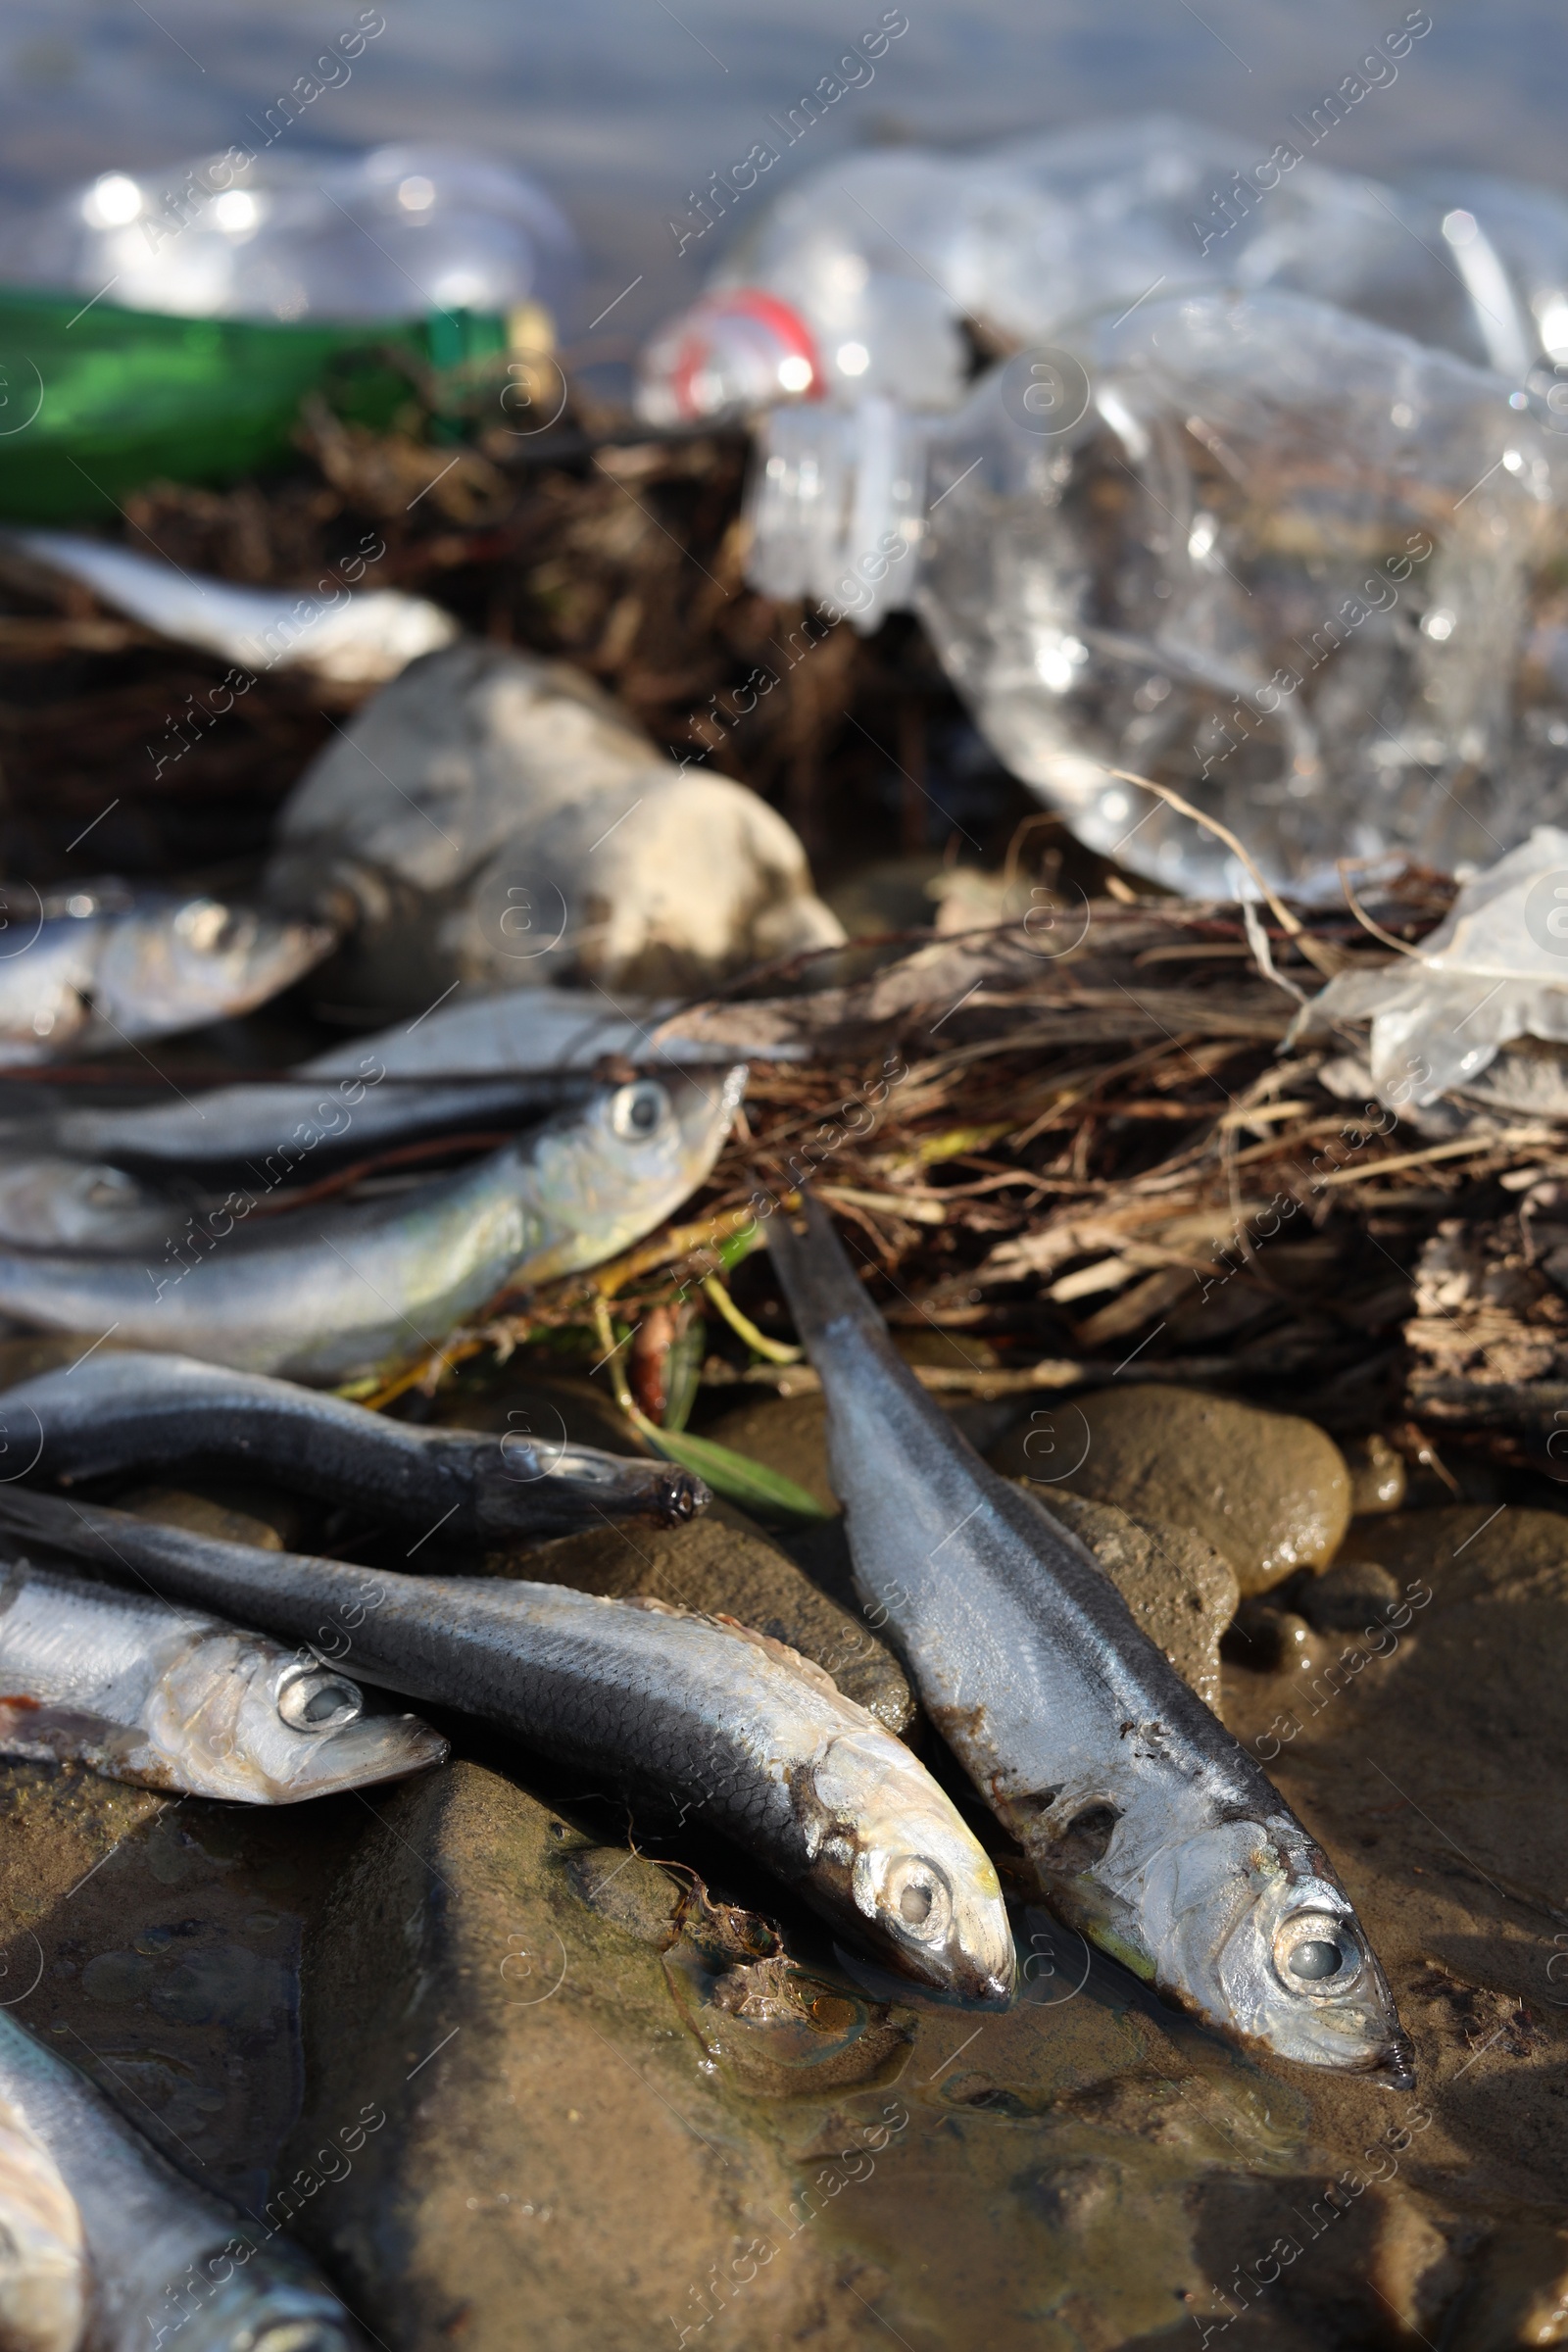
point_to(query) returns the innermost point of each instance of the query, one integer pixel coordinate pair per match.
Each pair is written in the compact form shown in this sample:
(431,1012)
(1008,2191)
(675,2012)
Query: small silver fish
(1151,1828)
(165,2262)
(471,1063)
(44,2285)
(739,1731)
(53,1204)
(127,1410)
(327,1294)
(144,1692)
(97,965)
(357,639)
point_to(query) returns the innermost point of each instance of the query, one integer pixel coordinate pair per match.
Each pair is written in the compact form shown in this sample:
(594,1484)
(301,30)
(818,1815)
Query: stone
(491,817)
(790,1432)
(629,1890)
(551,1406)
(1510,1554)
(1378,1476)
(155,1941)
(1270,1491)
(28,1357)
(1178,1588)
(724,1566)
(1350,1597)
(510,2133)
(784,1433)
(201,1514)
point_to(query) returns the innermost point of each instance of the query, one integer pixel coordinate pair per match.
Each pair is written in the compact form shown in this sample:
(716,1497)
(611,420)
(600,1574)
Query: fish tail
(817,1277)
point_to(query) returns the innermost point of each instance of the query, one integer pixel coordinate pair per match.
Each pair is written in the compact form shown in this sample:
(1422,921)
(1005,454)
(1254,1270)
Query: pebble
(494,2051)
(1377,1476)
(787,1434)
(1348,1596)
(1270,1491)
(175,1506)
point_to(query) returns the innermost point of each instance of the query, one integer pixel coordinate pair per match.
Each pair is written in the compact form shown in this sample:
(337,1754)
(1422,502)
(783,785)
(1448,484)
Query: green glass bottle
(96,399)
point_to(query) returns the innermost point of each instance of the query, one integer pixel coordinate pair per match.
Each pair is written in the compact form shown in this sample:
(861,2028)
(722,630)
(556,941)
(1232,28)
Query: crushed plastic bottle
(1304,571)
(891,273)
(292,235)
(1494,970)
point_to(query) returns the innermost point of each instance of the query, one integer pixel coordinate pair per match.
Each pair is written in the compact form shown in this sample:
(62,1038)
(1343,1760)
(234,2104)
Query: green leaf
(682,1373)
(734,1475)
(740,1245)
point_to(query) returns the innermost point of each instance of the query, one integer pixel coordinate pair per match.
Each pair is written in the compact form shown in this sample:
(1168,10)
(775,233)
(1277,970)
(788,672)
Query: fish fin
(783,1655)
(817,1277)
(807,1669)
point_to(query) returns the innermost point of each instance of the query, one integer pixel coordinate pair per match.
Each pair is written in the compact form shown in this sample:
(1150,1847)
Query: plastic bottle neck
(837,508)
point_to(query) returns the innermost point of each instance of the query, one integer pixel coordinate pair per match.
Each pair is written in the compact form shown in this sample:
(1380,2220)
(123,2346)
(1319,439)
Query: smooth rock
(1377,1475)
(1468,1551)
(784,1433)
(721,1565)
(1269,1492)
(25,1358)
(155,1940)
(201,1514)
(553,1407)
(1178,1588)
(538,2150)
(1351,1596)
(491,817)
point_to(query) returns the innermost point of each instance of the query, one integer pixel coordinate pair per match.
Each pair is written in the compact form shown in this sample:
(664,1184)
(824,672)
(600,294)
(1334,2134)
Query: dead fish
(1152,1830)
(357,639)
(50,1203)
(520,1056)
(277,1133)
(133,1411)
(147,1692)
(734,1728)
(98,965)
(44,2285)
(327,1294)
(166,2262)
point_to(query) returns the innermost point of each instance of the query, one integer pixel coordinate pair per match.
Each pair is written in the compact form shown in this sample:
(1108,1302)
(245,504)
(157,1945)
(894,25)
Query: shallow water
(620,106)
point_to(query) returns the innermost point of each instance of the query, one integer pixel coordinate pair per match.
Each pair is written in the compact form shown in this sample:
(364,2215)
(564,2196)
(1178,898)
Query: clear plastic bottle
(891,273)
(298,236)
(1304,571)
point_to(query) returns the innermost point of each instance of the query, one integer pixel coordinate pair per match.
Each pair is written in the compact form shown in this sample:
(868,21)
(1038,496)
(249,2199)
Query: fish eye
(639,1110)
(916,1896)
(1313,1951)
(310,1698)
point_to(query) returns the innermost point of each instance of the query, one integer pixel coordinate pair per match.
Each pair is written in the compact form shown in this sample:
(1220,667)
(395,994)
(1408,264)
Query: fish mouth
(979,1971)
(678,1495)
(1395,2064)
(960,1978)
(992,1990)
(377,1748)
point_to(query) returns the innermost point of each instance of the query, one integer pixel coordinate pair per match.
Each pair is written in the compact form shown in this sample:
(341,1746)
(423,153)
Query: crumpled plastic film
(1496,969)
